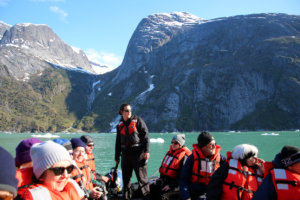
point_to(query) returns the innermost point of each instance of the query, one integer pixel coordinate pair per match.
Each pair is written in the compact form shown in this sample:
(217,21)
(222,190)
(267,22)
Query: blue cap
(64,142)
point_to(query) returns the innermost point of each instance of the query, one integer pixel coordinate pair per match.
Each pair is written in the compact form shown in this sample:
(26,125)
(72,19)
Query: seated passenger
(90,158)
(82,173)
(52,168)
(283,182)
(240,177)
(199,167)
(23,161)
(168,182)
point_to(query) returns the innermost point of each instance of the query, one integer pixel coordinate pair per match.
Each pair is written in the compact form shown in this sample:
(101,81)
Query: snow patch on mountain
(76,49)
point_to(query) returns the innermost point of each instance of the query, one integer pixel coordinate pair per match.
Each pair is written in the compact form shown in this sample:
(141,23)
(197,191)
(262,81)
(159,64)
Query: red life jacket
(40,191)
(268,166)
(203,167)
(241,181)
(170,165)
(129,134)
(24,176)
(286,183)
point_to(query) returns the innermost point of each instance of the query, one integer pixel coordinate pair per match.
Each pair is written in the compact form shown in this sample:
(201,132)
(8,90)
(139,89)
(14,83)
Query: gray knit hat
(87,139)
(46,154)
(180,139)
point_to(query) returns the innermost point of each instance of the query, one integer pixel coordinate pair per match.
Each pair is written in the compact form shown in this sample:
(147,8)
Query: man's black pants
(137,163)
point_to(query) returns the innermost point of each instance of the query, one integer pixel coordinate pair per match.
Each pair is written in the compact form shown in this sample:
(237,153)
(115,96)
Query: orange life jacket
(91,161)
(241,181)
(170,165)
(129,134)
(287,184)
(40,191)
(24,176)
(83,173)
(203,167)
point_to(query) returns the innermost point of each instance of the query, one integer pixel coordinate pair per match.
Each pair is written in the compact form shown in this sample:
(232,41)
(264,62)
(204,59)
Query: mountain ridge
(184,73)
(221,49)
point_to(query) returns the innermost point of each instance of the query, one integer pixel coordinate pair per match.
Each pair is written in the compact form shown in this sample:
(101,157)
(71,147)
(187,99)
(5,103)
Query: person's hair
(122,107)
(41,178)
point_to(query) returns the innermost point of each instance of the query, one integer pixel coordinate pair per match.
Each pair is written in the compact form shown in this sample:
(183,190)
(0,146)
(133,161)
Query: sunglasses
(174,143)
(60,170)
(127,110)
(91,145)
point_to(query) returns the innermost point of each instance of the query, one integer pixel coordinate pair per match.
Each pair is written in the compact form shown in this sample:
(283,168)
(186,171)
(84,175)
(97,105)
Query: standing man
(132,143)
(199,167)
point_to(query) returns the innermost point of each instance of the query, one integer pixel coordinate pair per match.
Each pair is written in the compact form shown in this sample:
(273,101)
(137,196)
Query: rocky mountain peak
(28,35)
(41,47)
(3,28)
(152,33)
(173,19)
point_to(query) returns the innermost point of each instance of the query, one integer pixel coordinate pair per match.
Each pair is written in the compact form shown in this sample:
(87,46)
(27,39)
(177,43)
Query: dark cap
(87,139)
(77,142)
(290,155)
(204,138)
(23,151)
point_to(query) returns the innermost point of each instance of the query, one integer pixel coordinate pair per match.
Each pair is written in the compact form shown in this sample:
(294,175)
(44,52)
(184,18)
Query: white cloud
(62,14)
(110,60)
(3,2)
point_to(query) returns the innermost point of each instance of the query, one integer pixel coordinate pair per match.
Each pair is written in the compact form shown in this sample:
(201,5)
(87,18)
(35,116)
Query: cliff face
(183,73)
(3,28)
(30,48)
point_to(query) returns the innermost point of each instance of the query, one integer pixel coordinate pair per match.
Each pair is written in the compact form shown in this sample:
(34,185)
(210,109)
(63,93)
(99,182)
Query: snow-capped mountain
(153,32)
(183,73)
(30,48)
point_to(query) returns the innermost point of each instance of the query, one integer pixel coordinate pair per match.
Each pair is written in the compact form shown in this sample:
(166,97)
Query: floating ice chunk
(157,140)
(270,134)
(47,135)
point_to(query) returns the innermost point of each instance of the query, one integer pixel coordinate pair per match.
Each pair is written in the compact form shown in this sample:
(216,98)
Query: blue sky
(102,28)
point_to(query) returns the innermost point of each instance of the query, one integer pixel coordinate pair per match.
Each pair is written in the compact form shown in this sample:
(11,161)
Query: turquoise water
(104,150)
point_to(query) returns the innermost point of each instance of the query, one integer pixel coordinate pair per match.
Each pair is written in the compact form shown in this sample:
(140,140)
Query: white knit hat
(46,154)
(244,151)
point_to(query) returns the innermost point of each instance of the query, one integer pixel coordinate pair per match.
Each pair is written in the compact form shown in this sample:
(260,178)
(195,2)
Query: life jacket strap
(83,167)
(293,183)
(232,185)
(77,176)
